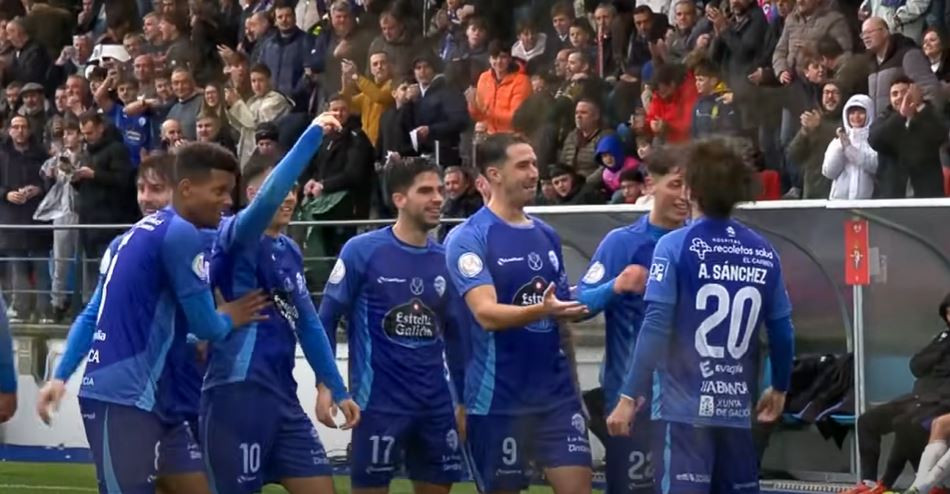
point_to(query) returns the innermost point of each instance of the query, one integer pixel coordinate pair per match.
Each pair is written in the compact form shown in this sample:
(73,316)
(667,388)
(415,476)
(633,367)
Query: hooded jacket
(614,147)
(852,166)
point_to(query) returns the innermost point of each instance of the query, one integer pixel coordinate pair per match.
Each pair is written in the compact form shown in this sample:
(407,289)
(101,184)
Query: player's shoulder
(363,245)
(292,246)
(750,234)
(634,232)
(676,238)
(474,227)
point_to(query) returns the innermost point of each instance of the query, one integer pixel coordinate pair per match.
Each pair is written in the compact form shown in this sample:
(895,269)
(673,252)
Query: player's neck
(274,230)
(505,210)
(659,221)
(410,234)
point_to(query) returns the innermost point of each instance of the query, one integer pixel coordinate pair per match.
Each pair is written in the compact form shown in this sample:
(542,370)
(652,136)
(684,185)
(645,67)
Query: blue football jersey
(517,370)
(632,244)
(724,280)
(399,305)
(139,353)
(136,131)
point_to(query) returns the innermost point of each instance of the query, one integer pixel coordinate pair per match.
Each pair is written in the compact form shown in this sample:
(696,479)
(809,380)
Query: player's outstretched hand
(770,406)
(7,406)
(620,421)
(351,412)
(328,122)
(244,310)
(633,279)
(460,422)
(48,400)
(560,308)
(326,409)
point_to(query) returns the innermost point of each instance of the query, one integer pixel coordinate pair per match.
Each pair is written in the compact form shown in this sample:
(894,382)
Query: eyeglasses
(871,31)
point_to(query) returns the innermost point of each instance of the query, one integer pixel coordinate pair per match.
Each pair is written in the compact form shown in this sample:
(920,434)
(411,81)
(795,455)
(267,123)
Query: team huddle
(460,357)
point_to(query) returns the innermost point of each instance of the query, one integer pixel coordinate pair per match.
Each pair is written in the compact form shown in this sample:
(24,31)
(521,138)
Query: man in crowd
(285,53)
(893,56)
(811,20)
(578,153)
(439,114)
(179,52)
(397,41)
(35,107)
(266,105)
(370,96)
(345,40)
(30,60)
(462,198)
(185,110)
(819,127)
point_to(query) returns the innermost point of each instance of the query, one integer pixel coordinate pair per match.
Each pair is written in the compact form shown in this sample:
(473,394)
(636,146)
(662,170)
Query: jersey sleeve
(343,286)
(8,375)
(465,258)
(661,285)
(79,340)
(595,288)
(183,259)
(316,346)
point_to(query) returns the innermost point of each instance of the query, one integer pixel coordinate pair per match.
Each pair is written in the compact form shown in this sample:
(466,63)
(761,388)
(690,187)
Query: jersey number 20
(738,340)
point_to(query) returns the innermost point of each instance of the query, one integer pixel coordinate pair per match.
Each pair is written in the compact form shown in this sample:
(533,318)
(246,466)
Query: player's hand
(49,399)
(329,123)
(770,406)
(7,406)
(460,422)
(326,409)
(244,310)
(620,420)
(351,412)
(559,308)
(633,279)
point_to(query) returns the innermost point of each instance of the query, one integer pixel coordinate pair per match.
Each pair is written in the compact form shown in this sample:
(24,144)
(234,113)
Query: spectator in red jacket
(669,115)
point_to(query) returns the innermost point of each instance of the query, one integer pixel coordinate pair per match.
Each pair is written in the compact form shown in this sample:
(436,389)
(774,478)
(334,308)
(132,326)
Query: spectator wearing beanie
(266,139)
(500,91)
(818,129)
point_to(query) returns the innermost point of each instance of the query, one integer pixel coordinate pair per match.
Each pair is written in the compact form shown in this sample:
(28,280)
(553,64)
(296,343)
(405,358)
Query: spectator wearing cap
(369,97)
(286,51)
(894,56)
(810,21)
(30,60)
(266,139)
(849,71)
(266,105)
(345,39)
(579,150)
(185,109)
(397,41)
(179,51)
(35,107)
(500,91)
(631,187)
(439,114)
(669,116)
(570,188)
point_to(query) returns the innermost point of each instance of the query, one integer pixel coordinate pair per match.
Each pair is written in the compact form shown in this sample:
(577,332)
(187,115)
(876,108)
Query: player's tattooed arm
(493,316)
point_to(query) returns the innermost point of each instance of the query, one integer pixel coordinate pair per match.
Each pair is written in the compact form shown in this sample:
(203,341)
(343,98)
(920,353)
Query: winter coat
(909,151)
(442,108)
(804,33)
(285,57)
(578,153)
(808,150)
(851,74)
(344,162)
(29,64)
(246,116)
(613,146)
(675,112)
(322,61)
(852,167)
(712,116)
(370,100)
(17,170)
(109,196)
(907,19)
(902,58)
(498,100)
(399,52)
(738,47)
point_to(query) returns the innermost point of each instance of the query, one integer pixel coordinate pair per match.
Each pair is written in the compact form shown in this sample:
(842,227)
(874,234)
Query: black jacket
(109,196)
(463,207)
(394,126)
(931,367)
(345,162)
(739,47)
(29,64)
(444,111)
(17,170)
(909,151)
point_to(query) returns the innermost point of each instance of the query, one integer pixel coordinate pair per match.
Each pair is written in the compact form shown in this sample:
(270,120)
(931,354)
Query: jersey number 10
(738,341)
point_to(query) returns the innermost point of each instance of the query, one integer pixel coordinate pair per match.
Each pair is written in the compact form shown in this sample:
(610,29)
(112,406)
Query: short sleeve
(345,280)
(184,258)
(465,259)
(609,260)
(661,285)
(777,302)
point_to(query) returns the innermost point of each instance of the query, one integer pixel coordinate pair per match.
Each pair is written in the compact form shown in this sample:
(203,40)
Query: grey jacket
(902,58)
(801,35)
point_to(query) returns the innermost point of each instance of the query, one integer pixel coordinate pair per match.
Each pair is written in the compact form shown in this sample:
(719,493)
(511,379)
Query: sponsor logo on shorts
(452,440)
(578,422)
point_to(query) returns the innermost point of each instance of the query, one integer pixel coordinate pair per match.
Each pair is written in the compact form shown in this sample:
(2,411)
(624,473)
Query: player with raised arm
(8,375)
(392,287)
(253,428)
(711,285)
(520,396)
(155,290)
(614,284)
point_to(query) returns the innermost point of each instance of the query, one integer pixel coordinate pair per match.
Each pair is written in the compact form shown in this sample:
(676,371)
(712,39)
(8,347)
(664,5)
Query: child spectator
(849,160)
(713,113)
(530,47)
(610,157)
(631,187)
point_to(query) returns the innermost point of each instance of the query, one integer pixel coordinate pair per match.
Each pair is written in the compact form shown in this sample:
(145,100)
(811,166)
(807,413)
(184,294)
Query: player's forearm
(652,344)
(203,320)
(781,351)
(330,313)
(597,298)
(254,220)
(316,348)
(499,317)
(80,337)
(7,369)
(567,346)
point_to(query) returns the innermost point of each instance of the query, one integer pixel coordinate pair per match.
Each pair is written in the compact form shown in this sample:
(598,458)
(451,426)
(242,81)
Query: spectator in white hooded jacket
(850,162)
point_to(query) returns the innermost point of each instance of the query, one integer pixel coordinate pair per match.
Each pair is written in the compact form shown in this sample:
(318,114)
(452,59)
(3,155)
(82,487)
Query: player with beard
(520,395)
(711,285)
(392,286)
(614,284)
(253,428)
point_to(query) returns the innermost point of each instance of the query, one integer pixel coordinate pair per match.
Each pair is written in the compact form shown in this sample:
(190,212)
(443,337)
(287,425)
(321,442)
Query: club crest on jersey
(700,248)
(288,285)
(412,324)
(452,440)
(594,274)
(301,283)
(534,261)
(730,231)
(200,267)
(339,271)
(439,285)
(416,286)
(578,422)
(470,264)
(553,258)
(658,268)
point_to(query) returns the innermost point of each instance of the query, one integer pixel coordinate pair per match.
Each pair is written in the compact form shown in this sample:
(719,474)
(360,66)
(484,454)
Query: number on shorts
(737,344)
(158,446)
(252,457)
(641,466)
(509,449)
(386,450)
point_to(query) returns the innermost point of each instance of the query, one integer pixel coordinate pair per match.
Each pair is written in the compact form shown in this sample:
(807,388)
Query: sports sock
(929,459)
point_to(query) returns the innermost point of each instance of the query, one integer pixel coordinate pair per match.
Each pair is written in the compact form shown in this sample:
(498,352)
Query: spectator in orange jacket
(501,90)
(670,113)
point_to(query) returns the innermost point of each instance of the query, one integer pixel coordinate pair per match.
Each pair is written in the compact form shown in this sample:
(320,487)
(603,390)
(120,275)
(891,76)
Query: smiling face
(517,177)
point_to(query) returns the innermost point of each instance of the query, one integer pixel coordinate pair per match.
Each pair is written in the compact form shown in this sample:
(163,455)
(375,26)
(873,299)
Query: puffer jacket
(852,167)
(903,58)
(285,56)
(498,99)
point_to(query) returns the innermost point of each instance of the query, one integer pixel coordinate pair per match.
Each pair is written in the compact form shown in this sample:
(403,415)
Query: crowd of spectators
(833,100)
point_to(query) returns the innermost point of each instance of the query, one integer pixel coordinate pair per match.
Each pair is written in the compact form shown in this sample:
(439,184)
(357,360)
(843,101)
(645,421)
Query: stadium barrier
(884,322)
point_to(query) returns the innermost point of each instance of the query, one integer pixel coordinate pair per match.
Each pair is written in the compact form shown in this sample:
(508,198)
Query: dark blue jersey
(399,304)
(136,131)
(516,370)
(623,313)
